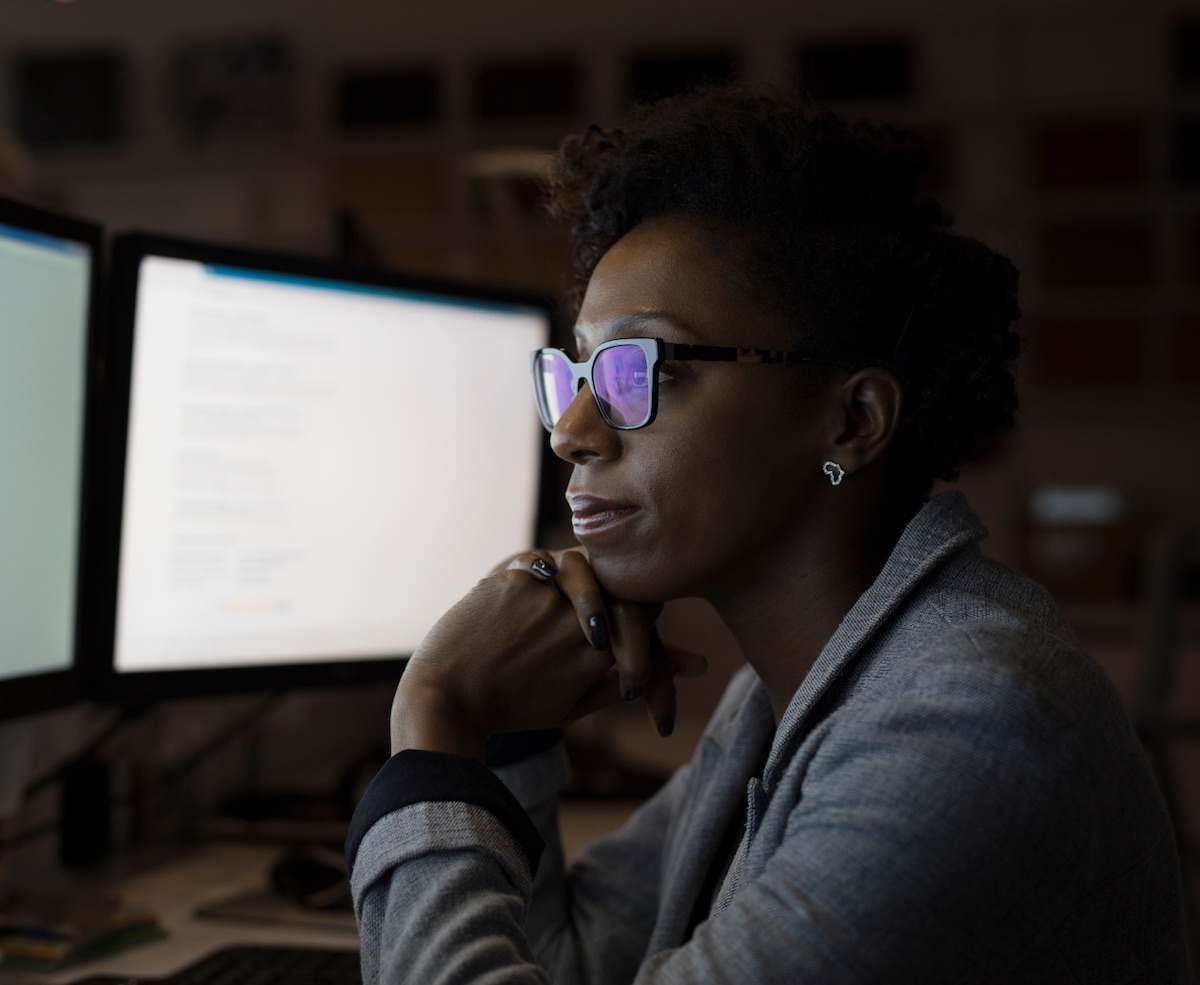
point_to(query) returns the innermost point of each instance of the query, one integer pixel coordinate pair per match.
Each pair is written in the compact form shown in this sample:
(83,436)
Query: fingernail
(599,627)
(541,566)
(666,725)
(632,693)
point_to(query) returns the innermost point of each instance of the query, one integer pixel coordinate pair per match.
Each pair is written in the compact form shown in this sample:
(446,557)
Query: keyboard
(248,965)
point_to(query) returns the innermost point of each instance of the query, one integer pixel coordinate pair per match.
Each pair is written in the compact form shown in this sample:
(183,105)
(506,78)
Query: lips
(593,515)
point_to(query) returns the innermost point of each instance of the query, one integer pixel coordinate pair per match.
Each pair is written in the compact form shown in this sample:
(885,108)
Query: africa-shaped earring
(835,472)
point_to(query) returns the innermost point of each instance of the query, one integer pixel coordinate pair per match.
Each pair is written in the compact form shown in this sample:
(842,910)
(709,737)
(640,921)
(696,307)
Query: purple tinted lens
(622,385)
(554,372)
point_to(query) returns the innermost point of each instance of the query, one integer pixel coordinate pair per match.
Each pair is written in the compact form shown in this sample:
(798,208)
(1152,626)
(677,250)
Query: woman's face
(717,490)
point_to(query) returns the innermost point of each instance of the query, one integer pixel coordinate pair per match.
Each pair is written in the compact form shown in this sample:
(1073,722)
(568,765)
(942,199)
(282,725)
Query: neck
(784,615)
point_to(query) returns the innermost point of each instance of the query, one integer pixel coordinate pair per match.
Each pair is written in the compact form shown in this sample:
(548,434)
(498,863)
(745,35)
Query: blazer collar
(942,527)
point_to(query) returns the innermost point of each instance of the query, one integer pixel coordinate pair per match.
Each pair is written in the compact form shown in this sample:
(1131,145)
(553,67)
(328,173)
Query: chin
(634,580)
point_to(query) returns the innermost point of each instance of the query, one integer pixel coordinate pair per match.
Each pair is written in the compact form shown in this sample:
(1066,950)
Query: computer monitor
(310,464)
(49,355)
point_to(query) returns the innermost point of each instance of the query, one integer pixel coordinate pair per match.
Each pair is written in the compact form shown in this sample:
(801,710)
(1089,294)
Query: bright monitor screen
(46,305)
(318,462)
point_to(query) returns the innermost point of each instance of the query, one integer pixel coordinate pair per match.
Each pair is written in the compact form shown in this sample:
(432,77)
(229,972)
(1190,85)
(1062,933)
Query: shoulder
(977,679)
(982,629)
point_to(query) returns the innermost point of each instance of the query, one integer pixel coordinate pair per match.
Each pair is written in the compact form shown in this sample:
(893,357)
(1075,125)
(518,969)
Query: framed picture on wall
(241,89)
(66,99)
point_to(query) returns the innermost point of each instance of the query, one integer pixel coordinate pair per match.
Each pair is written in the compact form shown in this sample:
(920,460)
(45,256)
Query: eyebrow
(638,318)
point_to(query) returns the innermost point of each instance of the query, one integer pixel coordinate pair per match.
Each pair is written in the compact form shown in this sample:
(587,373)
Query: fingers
(537,563)
(509,655)
(660,688)
(518,560)
(577,582)
(627,630)
(574,578)
(542,568)
(684,662)
(668,661)
(603,693)
(645,668)
(632,626)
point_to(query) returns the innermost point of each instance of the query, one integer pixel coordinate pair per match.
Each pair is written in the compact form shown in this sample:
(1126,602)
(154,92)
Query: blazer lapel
(945,525)
(722,775)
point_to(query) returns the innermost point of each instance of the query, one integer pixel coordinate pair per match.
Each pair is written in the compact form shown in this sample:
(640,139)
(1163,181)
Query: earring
(835,472)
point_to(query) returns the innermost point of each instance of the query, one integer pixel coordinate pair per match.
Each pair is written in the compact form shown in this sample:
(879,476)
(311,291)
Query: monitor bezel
(31,694)
(135,689)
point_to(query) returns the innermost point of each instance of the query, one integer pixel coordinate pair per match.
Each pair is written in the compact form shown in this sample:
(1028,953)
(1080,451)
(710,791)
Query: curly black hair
(840,235)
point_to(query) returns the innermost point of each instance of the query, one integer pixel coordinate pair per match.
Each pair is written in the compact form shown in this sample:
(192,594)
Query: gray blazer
(953,795)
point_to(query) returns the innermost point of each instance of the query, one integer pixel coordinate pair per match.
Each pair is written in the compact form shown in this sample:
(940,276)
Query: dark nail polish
(599,627)
(666,725)
(632,693)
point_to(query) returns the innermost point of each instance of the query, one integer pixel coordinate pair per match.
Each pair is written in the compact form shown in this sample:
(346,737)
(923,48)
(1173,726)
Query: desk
(206,875)
(216,872)
(222,869)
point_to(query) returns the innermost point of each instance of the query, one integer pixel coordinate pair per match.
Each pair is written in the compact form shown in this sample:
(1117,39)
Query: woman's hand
(536,644)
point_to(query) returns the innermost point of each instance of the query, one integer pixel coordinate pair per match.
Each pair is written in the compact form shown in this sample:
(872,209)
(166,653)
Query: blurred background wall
(1066,134)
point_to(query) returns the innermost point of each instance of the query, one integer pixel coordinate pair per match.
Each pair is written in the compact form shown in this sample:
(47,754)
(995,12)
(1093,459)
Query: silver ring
(543,568)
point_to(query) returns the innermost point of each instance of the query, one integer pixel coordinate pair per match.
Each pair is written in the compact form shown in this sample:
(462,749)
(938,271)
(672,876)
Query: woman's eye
(666,373)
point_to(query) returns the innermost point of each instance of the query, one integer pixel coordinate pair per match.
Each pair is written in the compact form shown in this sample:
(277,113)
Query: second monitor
(49,353)
(311,464)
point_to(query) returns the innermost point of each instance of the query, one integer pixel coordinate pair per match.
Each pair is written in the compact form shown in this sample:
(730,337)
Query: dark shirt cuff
(417,776)
(507,748)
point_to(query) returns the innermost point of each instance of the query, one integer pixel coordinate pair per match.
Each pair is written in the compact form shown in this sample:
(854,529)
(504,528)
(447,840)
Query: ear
(868,406)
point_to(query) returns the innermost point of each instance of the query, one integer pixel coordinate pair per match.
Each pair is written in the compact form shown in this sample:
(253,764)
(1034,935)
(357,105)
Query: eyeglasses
(623,376)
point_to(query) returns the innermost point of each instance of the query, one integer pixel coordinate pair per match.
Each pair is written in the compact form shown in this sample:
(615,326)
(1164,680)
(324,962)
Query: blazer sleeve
(458,877)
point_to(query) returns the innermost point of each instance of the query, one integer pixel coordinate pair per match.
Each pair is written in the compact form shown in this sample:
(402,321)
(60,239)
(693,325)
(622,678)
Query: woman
(919,776)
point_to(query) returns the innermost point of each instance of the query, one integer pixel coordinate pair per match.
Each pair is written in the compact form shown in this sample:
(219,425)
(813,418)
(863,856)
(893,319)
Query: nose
(581,434)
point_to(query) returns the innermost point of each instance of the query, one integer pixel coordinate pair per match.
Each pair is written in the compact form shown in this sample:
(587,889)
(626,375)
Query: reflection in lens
(555,374)
(622,385)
